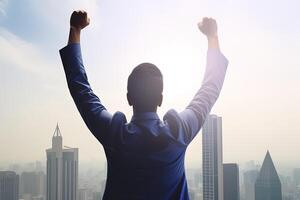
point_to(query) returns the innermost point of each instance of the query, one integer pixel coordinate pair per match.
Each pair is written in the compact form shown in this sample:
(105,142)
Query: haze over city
(259,103)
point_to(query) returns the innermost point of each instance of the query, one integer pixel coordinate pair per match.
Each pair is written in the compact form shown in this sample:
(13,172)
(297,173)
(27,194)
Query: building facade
(212,158)
(231,181)
(9,185)
(268,185)
(62,170)
(32,183)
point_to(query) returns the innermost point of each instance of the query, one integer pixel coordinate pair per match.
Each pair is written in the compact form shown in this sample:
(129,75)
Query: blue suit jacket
(145,156)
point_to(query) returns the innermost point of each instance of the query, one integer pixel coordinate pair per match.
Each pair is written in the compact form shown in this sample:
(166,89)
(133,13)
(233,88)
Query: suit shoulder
(118,118)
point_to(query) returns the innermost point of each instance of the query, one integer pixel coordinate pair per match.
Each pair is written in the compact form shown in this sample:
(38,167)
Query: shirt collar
(145,116)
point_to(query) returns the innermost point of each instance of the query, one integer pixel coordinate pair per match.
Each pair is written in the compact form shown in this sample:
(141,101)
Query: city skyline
(93,177)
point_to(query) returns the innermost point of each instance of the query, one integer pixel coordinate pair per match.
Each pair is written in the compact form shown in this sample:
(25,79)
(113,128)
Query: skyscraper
(9,185)
(249,184)
(231,181)
(268,185)
(212,158)
(62,170)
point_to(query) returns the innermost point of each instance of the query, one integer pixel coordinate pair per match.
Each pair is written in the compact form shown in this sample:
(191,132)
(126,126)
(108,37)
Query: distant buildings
(83,194)
(38,198)
(296,177)
(231,181)
(212,159)
(62,170)
(97,195)
(33,185)
(268,185)
(249,184)
(9,185)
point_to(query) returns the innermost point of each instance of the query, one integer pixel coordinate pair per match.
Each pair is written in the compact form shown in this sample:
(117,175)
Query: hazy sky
(259,102)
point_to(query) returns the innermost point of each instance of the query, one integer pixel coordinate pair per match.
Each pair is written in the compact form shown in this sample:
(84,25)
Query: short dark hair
(145,87)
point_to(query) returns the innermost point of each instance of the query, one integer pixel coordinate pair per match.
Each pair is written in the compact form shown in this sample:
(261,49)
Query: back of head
(145,87)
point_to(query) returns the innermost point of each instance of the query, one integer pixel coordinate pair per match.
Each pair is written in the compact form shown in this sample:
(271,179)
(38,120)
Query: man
(145,157)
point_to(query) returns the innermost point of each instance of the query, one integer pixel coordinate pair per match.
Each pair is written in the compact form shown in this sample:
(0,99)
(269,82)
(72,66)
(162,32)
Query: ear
(129,99)
(160,100)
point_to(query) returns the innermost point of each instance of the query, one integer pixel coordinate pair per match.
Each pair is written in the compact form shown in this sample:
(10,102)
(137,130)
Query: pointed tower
(268,185)
(62,170)
(57,139)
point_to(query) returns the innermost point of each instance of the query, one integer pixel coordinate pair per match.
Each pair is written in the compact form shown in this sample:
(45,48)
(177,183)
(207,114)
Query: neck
(137,111)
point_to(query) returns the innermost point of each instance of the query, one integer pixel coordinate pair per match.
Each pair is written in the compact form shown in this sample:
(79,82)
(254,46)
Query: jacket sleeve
(88,104)
(187,124)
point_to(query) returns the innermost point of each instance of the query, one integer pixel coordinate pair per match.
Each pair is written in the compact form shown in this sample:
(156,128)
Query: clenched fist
(79,19)
(208,27)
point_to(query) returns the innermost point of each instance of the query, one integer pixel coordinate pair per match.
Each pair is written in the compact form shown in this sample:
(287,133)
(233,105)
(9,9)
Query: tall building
(268,185)
(231,181)
(212,158)
(296,177)
(249,184)
(9,185)
(62,170)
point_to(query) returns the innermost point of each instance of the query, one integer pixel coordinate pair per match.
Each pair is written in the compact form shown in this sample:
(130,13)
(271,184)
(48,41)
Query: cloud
(19,53)
(3,4)
(63,9)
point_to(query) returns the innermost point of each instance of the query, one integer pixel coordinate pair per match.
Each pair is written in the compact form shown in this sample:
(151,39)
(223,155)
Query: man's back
(145,156)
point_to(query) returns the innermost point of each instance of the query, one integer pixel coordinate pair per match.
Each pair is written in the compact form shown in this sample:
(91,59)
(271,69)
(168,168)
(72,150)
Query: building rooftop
(268,174)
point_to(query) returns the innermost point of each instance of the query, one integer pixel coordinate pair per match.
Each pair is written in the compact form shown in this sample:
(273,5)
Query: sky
(259,103)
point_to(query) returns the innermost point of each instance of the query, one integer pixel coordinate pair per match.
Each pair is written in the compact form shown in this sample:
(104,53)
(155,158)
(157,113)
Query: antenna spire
(57,131)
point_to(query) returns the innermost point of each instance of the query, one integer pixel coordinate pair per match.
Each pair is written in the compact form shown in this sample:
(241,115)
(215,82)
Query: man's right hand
(208,26)
(78,21)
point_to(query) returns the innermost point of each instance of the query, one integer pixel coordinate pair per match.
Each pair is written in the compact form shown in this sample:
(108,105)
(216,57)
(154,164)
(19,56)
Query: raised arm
(188,123)
(88,104)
